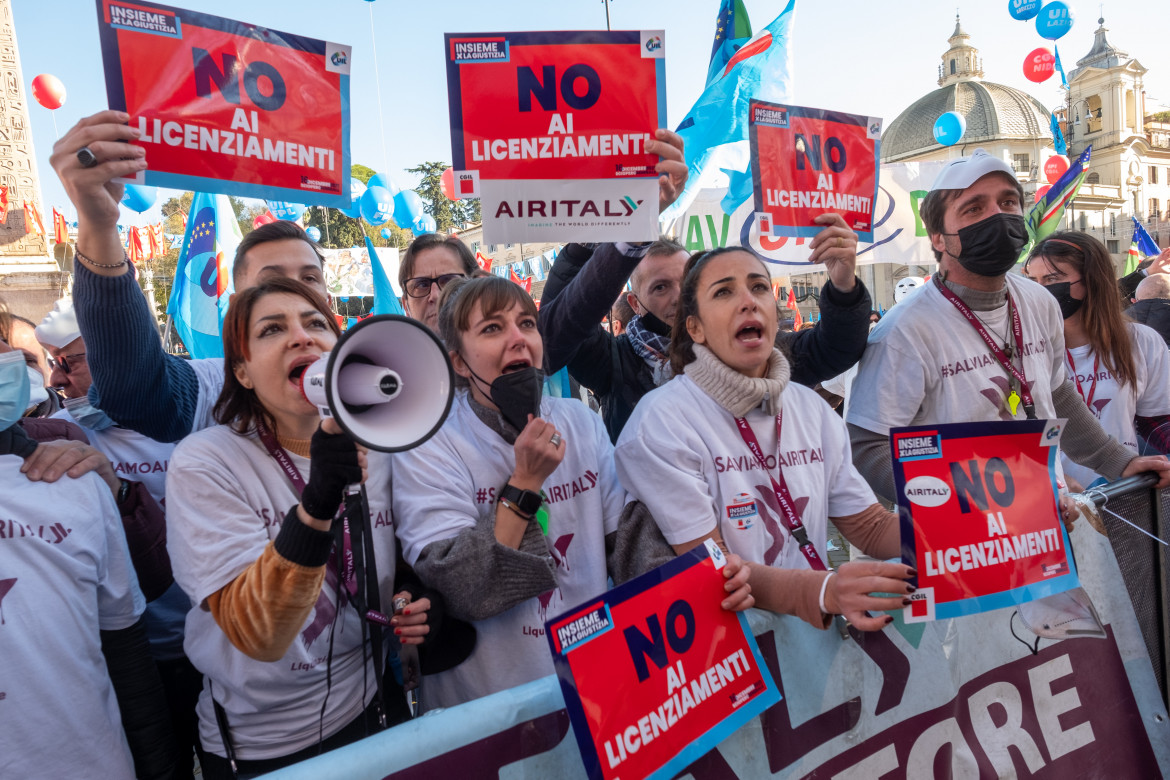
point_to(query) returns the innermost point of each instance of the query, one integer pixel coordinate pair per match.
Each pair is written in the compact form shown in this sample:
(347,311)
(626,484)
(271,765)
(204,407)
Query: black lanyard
(1019,381)
(788,510)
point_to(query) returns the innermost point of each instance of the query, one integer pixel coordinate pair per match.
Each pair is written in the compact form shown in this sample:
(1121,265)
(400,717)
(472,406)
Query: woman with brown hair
(730,450)
(1120,368)
(513,510)
(255,536)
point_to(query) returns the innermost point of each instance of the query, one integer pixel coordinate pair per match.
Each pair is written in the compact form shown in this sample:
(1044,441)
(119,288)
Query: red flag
(776,289)
(161,238)
(134,248)
(183,214)
(154,240)
(526,282)
(32,219)
(483,262)
(3,203)
(797,320)
(60,228)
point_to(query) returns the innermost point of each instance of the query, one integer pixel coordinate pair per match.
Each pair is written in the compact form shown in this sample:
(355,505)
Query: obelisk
(30,279)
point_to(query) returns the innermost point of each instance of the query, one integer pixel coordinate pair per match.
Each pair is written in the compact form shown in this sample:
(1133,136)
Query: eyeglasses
(420,286)
(63,362)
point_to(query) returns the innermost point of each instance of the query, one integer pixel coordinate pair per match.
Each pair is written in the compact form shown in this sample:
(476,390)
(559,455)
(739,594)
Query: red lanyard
(1072,364)
(290,469)
(1019,380)
(788,511)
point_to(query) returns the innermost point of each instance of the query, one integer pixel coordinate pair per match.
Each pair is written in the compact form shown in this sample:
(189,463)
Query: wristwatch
(527,502)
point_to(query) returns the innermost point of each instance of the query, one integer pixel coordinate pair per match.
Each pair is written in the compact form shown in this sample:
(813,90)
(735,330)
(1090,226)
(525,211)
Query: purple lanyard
(291,471)
(787,506)
(1016,374)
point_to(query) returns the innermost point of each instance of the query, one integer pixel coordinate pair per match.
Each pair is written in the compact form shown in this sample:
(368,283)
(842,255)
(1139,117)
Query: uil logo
(653,44)
(338,58)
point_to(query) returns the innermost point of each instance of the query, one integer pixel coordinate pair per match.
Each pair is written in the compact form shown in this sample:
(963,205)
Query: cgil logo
(927,491)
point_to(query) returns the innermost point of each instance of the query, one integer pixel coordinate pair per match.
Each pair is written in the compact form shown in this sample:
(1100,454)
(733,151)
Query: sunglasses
(420,286)
(63,362)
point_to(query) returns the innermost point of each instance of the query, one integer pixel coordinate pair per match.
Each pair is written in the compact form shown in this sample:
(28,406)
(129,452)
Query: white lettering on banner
(551,147)
(1050,706)
(651,725)
(817,199)
(219,141)
(994,551)
(996,739)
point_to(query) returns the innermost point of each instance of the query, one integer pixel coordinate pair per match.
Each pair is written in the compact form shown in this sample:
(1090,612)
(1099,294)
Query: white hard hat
(59,327)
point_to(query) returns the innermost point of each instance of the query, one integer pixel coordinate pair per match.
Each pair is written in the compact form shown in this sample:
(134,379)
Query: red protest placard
(655,673)
(807,162)
(555,105)
(979,515)
(229,107)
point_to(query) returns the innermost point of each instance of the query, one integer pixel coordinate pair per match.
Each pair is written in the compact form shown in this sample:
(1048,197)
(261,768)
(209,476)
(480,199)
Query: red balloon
(1055,167)
(1042,191)
(48,90)
(263,219)
(447,184)
(1039,65)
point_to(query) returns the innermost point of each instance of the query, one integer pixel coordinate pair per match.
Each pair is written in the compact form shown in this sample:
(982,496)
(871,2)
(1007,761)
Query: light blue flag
(203,276)
(715,130)
(385,301)
(1145,244)
(1060,69)
(732,30)
(1058,137)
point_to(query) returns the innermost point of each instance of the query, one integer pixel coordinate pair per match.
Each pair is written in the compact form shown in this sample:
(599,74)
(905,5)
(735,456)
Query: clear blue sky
(871,57)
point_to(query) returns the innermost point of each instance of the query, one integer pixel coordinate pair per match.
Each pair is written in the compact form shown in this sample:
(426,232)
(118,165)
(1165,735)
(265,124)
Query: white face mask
(37,394)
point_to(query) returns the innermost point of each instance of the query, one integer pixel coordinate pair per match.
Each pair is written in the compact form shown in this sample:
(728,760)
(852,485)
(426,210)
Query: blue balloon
(139,198)
(949,128)
(386,233)
(1054,20)
(377,204)
(424,224)
(356,188)
(1023,10)
(408,207)
(289,211)
(382,180)
(313,233)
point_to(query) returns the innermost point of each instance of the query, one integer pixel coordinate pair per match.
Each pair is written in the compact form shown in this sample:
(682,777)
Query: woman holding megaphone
(730,450)
(513,510)
(258,540)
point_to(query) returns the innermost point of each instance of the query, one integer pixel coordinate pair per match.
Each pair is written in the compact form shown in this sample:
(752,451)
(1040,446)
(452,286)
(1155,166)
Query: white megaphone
(387,382)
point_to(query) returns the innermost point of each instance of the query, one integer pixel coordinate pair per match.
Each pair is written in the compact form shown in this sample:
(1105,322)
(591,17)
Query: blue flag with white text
(203,276)
(715,130)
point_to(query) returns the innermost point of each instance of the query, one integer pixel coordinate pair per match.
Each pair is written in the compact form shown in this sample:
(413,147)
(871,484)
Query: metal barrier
(1142,559)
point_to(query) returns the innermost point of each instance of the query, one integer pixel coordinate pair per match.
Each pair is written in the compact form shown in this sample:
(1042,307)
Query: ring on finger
(86,157)
(838,242)
(555,440)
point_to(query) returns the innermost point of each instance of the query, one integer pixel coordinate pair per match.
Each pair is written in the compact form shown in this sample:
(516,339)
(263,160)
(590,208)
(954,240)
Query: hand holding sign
(736,571)
(92,190)
(836,247)
(849,592)
(671,167)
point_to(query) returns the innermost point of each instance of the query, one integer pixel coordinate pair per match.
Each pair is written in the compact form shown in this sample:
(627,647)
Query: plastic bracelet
(824,586)
(80,256)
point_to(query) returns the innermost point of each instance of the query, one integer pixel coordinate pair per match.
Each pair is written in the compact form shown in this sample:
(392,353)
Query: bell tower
(961,62)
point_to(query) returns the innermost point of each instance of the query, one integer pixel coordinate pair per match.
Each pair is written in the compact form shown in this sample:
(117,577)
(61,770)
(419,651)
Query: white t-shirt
(65,575)
(209,372)
(1115,407)
(226,500)
(682,455)
(925,363)
(449,484)
(135,457)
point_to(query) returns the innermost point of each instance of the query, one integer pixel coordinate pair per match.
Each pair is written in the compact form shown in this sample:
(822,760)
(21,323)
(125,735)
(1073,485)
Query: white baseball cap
(962,173)
(59,327)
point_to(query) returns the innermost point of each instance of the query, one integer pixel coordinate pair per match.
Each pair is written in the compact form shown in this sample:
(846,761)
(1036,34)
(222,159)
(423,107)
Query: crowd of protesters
(177,536)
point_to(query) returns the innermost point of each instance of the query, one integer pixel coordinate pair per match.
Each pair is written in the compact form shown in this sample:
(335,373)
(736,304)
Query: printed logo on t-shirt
(982,360)
(741,511)
(1098,406)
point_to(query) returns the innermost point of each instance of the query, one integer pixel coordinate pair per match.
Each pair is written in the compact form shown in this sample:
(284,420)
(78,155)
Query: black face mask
(1062,292)
(517,394)
(992,246)
(655,325)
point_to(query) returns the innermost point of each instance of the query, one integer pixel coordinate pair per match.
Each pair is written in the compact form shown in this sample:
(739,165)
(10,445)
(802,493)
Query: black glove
(333,461)
(15,441)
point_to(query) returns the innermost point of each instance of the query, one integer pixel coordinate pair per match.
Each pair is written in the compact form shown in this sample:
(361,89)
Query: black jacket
(1153,313)
(579,293)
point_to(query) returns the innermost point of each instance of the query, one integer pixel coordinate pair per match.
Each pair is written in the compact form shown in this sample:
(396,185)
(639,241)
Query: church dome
(993,112)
